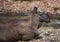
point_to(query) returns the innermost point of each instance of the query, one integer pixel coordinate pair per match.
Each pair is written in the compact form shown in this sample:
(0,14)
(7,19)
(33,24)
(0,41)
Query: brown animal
(14,28)
(22,26)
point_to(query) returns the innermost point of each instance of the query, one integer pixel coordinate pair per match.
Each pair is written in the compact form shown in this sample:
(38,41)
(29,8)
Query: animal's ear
(34,10)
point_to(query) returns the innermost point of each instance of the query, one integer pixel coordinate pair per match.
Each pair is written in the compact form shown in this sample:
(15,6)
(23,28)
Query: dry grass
(45,5)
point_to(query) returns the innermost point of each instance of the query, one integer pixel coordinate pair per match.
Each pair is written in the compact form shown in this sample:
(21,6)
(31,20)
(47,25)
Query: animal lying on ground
(21,27)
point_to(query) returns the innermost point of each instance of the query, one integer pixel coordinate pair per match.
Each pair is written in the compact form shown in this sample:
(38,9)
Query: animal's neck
(34,20)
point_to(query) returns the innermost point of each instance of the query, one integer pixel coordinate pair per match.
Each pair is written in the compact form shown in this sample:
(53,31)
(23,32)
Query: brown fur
(14,28)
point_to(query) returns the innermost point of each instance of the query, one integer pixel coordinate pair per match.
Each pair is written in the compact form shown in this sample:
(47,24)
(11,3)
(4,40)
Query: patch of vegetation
(56,8)
(58,17)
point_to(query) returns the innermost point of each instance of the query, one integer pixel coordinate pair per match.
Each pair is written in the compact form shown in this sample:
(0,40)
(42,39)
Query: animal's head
(40,17)
(43,16)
